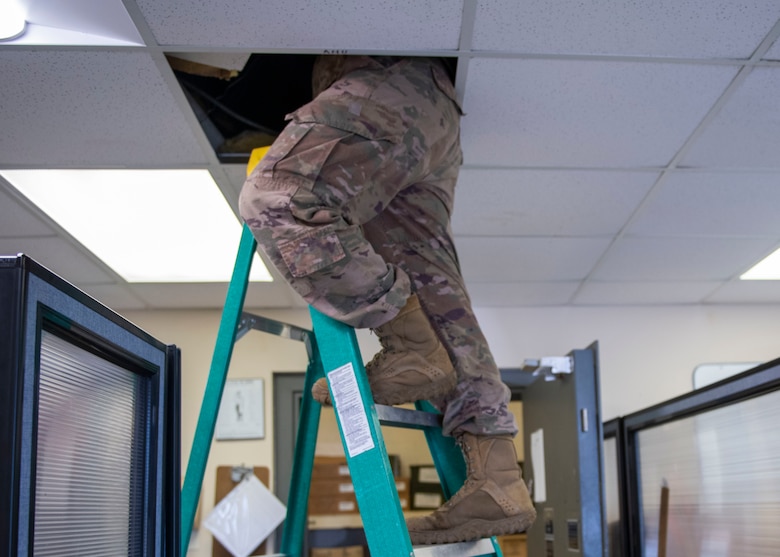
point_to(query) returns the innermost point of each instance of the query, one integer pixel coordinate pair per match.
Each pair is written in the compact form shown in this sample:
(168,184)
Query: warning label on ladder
(352,413)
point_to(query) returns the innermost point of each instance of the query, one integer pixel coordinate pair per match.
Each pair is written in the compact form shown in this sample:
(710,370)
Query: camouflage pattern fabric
(352,205)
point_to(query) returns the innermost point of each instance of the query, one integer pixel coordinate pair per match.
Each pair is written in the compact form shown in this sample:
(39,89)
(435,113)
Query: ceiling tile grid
(616,153)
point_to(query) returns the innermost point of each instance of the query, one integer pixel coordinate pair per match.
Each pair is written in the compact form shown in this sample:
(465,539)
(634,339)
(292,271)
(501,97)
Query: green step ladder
(333,352)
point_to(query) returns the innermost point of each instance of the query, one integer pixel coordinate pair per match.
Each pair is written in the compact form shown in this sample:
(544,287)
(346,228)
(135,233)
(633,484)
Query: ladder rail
(294,531)
(215,386)
(375,490)
(377,497)
(376,493)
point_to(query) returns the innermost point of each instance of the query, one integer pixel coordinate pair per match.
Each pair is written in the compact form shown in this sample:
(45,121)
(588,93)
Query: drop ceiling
(615,152)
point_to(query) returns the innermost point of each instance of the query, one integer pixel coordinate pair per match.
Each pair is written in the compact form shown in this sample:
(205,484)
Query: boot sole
(475,529)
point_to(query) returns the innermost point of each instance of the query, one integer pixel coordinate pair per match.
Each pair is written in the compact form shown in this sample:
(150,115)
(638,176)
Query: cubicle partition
(89,424)
(698,475)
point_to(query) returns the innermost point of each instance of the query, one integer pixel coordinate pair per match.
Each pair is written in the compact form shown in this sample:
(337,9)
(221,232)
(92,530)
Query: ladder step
(478,548)
(407,418)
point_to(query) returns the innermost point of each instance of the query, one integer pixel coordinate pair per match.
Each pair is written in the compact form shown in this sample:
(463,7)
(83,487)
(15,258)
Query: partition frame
(761,380)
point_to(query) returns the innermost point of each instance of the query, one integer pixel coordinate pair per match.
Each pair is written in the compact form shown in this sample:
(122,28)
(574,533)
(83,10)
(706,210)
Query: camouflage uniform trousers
(352,205)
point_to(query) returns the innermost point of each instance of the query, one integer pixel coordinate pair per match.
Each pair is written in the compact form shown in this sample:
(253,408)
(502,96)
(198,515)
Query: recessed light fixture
(147,225)
(12,19)
(766,269)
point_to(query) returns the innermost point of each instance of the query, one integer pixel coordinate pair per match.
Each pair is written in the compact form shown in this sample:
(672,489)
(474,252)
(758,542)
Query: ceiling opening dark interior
(247,111)
(242,110)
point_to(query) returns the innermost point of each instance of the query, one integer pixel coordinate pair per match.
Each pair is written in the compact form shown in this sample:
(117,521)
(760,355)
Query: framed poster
(241,412)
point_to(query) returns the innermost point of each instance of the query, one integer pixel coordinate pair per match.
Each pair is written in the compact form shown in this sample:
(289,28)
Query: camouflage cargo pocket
(310,252)
(345,132)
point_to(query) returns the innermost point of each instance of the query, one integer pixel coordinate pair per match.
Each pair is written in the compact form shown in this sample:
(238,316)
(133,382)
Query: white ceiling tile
(774,52)
(506,294)
(747,292)
(210,295)
(537,107)
(664,28)
(584,113)
(514,202)
(198,295)
(680,259)
(272,295)
(16,220)
(236,175)
(746,132)
(642,293)
(75,108)
(115,296)
(498,259)
(713,204)
(343,24)
(59,256)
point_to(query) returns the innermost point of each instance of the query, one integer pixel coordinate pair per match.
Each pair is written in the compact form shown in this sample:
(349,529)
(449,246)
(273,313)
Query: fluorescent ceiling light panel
(766,269)
(147,225)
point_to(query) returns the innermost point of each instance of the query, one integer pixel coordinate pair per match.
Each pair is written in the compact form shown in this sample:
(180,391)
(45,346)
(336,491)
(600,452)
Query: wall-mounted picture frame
(242,410)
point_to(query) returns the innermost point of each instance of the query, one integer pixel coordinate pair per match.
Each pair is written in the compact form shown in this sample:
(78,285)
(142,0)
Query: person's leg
(413,234)
(389,163)
(341,161)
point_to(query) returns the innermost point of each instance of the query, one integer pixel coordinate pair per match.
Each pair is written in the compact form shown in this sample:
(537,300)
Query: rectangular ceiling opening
(241,100)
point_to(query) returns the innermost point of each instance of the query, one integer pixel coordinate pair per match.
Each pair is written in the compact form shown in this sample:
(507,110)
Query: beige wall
(647,355)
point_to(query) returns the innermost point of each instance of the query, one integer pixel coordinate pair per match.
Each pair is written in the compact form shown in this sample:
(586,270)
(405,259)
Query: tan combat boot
(493,501)
(412,365)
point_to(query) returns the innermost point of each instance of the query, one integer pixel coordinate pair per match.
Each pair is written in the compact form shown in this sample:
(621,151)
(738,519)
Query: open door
(563,456)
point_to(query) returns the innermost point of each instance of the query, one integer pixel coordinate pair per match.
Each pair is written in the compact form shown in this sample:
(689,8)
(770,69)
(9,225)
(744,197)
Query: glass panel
(612,497)
(90,460)
(722,469)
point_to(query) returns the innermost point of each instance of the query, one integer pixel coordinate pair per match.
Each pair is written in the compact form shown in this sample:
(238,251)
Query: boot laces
(469,457)
(380,356)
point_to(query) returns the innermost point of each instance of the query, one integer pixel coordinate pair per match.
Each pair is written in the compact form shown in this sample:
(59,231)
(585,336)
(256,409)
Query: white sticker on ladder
(352,413)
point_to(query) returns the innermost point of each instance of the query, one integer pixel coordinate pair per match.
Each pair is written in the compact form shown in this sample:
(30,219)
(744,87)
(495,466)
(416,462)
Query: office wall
(647,355)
